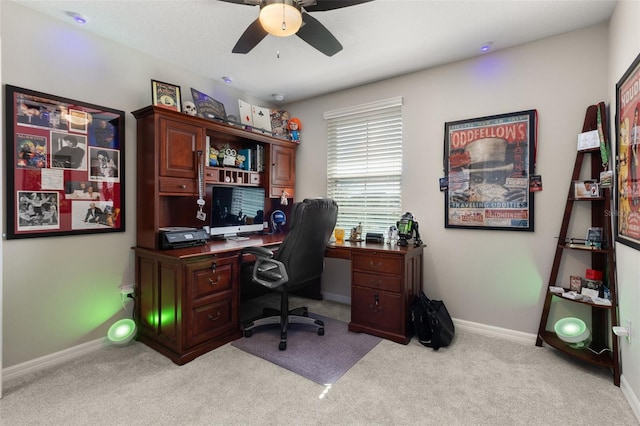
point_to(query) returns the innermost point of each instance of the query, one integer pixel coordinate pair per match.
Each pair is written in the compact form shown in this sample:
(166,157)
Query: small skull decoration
(189,108)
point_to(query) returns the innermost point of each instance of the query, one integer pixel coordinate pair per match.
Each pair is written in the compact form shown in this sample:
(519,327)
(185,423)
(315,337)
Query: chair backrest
(302,251)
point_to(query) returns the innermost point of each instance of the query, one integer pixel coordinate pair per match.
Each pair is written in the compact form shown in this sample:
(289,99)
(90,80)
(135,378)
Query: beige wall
(60,292)
(497,278)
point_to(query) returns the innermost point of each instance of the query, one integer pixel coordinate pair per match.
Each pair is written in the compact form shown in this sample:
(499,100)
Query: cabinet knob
(212,318)
(375,282)
(212,282)
(183,186)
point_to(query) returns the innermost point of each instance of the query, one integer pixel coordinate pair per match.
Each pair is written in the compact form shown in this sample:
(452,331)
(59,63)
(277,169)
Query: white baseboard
(19,370)
(491,331)
(345,300)
(631,397)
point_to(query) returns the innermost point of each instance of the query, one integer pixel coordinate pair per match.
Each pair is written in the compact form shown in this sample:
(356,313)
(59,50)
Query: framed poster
(488,162)
(166,95)
(64,166)
(627,177)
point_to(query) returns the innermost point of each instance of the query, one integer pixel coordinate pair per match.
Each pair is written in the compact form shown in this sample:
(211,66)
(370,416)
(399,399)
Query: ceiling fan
(287,17)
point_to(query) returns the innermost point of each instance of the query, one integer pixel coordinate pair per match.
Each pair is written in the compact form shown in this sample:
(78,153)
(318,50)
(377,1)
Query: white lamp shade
(573,331)
(122,331)
(280,18)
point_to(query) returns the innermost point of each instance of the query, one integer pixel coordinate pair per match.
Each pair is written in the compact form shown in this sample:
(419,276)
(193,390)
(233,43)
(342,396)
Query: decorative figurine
(213,157)
(189,108)
(294,126)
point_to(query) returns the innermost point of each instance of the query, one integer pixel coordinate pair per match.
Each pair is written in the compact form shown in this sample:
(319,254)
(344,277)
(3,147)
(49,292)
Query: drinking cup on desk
(339,233)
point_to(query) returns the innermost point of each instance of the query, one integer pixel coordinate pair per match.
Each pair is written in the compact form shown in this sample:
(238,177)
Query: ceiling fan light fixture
(280,18)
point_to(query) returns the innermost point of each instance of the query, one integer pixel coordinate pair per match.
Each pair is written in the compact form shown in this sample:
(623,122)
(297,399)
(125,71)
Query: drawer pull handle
(375,306)
(376,265)
(213,267)
(183,186)
(212,318)
(374,282)
(217,280)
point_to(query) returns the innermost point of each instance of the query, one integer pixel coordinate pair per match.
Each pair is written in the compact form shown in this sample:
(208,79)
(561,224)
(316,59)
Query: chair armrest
(259,252)
(270,273)
(267,271)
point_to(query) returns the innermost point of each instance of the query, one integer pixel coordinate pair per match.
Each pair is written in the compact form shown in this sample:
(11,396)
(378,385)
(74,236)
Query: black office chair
(298,260)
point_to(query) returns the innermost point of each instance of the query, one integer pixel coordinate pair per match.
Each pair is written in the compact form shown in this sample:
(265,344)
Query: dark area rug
(323,359)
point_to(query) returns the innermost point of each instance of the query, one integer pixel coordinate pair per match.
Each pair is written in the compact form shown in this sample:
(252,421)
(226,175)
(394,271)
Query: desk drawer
(211,320)
(337,253)
(210,279)
(378,263)
(377,281)
(178,186)
(381,310)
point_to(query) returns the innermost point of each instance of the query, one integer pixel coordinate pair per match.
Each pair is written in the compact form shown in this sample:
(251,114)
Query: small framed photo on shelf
(166,95)
(575,283)
(586,189)
(594,237)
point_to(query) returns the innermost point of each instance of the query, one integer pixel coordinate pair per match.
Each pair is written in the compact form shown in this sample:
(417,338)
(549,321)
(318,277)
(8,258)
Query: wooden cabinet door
(179,143)
(283,165)
(283,171)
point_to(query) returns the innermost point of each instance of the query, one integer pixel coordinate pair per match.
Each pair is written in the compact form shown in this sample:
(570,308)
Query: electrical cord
(603,350)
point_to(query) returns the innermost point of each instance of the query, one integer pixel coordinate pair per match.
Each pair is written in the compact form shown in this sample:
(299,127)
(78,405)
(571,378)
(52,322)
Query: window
(364,165)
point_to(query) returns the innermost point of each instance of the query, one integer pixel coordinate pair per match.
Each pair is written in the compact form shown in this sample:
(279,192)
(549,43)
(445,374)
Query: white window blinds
(364,167)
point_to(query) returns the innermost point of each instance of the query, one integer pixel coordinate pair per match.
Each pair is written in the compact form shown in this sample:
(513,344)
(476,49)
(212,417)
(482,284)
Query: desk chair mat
(322,359)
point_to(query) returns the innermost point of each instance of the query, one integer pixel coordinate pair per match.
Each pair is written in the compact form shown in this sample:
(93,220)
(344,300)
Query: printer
(180,237)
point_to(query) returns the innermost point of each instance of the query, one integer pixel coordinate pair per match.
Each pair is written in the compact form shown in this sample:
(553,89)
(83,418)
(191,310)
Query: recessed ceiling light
(80,19)
(278,97)
(486,47)
(227,79)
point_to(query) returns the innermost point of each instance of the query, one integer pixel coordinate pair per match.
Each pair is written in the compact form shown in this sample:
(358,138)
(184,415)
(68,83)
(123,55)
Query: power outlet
(126,289)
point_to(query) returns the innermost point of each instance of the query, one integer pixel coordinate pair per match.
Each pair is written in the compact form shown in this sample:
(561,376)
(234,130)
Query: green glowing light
(573,331)
(121,332)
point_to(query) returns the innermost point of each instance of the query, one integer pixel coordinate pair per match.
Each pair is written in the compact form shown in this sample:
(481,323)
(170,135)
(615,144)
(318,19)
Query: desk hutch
(187,300)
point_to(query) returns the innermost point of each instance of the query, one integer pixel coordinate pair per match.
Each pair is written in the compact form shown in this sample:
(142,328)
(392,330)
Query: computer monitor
(236,210)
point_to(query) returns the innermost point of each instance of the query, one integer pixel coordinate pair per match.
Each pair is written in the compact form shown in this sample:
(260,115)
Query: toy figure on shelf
(240,160)
(294,129)
(213,157)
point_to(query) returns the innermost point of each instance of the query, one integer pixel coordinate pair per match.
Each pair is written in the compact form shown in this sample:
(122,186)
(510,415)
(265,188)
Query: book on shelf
(247,164)
(260,158)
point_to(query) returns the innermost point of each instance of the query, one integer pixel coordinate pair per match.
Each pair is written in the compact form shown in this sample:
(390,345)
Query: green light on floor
(122,332)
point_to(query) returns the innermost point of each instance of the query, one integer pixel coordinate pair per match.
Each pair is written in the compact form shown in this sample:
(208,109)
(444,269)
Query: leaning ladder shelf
(603,350)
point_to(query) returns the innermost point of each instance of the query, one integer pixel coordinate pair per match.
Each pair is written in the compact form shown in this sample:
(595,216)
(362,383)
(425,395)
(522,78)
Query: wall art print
(488,164)
(64,166)
(627,177)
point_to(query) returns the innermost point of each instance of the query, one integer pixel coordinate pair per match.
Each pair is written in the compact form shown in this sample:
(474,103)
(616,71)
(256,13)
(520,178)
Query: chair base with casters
(272,316)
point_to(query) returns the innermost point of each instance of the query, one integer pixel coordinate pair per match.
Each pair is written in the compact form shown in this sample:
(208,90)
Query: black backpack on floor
(431,321)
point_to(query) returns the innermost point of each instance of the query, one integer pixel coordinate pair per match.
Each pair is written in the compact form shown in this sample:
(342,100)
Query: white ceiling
(381,39)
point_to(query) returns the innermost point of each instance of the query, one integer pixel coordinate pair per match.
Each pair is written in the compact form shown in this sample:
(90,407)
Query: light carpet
(323,359)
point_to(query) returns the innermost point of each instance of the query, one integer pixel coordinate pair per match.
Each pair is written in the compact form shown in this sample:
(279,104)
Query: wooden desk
(188,300)
(384,282)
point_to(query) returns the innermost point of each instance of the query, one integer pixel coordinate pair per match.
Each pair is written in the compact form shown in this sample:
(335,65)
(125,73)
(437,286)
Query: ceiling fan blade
(322,5)
(250,38)
(318,36)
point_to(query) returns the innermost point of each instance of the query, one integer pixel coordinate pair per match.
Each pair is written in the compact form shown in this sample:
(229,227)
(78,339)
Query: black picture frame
(627,174)
(166,95)
(488,162)
(65,166)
